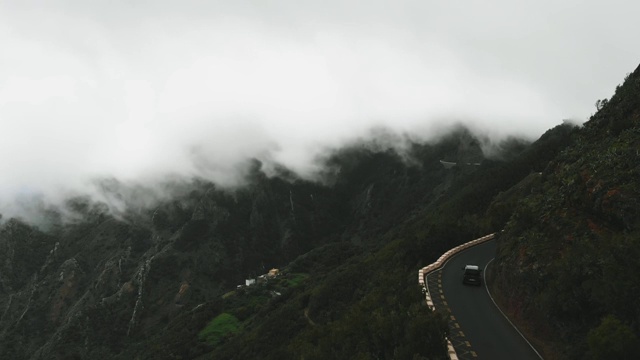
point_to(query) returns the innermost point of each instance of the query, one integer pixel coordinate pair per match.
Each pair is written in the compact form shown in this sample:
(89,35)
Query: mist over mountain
(195,90)
(158,159)
(143,280)
(143,275)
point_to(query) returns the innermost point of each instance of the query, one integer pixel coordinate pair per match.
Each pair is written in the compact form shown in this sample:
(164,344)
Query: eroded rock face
(102,283)
(70,277)
(91,288)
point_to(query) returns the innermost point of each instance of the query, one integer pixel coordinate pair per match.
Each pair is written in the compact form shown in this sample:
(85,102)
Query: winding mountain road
(478,329)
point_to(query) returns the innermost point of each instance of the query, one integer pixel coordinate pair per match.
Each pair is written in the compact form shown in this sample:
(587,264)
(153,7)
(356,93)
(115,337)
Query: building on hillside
(447,164)
(250,282)
(273,273)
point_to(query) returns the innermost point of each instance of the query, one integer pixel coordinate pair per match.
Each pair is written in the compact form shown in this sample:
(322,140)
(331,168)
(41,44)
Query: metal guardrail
(437,265)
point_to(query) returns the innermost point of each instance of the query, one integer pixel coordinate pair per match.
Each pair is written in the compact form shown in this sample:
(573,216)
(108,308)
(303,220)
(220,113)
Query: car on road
(472,275)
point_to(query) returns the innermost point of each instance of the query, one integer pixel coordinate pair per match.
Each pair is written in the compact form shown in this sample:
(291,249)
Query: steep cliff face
(102,286)
(90,287)
(568,257)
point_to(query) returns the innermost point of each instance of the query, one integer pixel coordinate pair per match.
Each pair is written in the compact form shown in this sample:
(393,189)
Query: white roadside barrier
(437,265)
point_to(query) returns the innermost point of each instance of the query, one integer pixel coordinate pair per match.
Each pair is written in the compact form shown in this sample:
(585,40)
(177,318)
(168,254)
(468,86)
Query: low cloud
(145,92)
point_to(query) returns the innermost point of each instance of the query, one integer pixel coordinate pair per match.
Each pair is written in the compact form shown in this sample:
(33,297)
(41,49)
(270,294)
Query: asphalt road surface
(480,323)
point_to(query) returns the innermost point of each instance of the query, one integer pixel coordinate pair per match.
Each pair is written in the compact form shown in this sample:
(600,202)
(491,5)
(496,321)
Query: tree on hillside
(612,339)
(601,103)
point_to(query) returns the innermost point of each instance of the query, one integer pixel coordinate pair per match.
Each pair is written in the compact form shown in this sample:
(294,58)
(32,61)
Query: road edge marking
(484,279)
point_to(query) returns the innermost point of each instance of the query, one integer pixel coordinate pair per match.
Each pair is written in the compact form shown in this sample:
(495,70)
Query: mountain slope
(569,253)
(108,285)
(160,282)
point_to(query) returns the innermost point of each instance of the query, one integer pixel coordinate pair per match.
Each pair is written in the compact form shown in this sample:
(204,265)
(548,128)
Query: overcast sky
(142,89)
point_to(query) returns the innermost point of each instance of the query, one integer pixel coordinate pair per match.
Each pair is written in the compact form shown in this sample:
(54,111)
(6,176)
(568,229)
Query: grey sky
(142,89)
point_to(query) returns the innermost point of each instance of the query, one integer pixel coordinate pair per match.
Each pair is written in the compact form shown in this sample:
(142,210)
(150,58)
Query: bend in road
(478,328)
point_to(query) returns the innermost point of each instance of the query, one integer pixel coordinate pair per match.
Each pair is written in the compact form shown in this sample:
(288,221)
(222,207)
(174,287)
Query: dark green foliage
(343,314)
(573,233)
(193,232)
(296,279)
(146,283)
(613,340)
(17,237)
(177,340)
(324,257)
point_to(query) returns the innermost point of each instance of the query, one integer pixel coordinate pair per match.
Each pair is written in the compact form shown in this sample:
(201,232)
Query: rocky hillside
(90,283)
(160,281)
(569,255)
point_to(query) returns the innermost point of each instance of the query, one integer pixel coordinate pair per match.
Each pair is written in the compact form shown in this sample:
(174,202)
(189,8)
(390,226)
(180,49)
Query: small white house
(250,282)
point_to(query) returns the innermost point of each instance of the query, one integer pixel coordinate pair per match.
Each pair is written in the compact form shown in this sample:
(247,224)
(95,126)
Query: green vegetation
(220,327)
(360,300)
(230,293)
(612,339)
(348,249)
(295,279)
(367,307)
(574,237)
